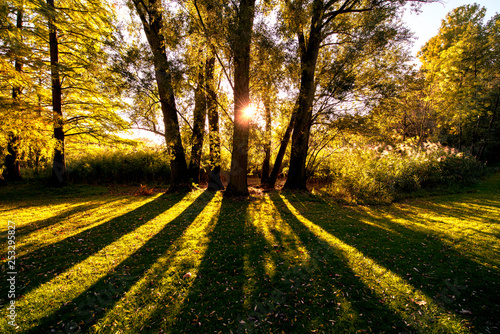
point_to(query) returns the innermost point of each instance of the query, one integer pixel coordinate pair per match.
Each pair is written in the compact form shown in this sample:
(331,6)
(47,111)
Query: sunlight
(249,111)
(184,256)
(387,285)
(76,280)
(84,217)
(455,225)
(267,220)
(281,240)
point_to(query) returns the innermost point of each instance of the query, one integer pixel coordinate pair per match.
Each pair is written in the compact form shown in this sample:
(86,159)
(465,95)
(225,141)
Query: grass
(91,261)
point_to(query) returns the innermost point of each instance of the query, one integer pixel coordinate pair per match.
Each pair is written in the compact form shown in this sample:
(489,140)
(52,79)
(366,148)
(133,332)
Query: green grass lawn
(89,260)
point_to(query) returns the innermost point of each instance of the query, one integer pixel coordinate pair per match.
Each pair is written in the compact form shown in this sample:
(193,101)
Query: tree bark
(152,21)
(241,41)
(309,51)
(281,152)
(267,144)
(59,175)
(199,115)
(482,148)
(12,167)
(214,181)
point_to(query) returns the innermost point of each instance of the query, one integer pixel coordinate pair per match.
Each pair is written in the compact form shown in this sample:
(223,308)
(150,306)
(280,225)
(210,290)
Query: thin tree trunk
(214,181)
(59,175)
(152,21)
(490,127)
(12,170)
(12,167)
(474,136)
(200,113)
(309,51)
(267,142)
(241,53)
(281,152)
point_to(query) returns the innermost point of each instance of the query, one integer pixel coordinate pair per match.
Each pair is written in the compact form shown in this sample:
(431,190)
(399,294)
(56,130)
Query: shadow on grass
(27,229)
(51,260)
(36,194)
(221,276)
(234,291)
(455,281)
(84,311)
(334,297)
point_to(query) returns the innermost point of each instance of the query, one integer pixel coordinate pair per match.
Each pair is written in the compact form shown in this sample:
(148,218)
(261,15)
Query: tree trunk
(12,167)
(309,51)
(152,21)
(474,136)
(281,152)
(214,181)
(199,115)
(241,41)
(480,154)
(59,175)
(12,170)
(267,144)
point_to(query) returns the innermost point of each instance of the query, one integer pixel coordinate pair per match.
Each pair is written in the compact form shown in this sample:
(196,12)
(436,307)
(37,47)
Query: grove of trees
(250,87)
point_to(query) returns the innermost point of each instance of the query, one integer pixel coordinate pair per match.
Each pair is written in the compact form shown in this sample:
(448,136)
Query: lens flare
(249,111)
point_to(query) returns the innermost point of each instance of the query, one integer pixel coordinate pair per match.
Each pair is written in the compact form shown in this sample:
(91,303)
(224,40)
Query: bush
(381,174)
(122,167)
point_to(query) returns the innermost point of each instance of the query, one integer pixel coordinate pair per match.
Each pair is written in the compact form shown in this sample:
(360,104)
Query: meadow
(93,259)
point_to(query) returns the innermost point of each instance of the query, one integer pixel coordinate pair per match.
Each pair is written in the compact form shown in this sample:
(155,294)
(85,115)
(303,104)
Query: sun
(249,111)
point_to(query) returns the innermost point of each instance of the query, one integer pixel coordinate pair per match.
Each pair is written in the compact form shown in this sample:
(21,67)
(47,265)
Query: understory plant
(132,166)
(384,173)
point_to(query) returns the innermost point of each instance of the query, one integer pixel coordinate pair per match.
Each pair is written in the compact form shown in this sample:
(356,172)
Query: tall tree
(461,62)
(59,175)
(214,181)
(199,116)
(325,22)
(24,120)
(153,21)
(241,39)
(12,166)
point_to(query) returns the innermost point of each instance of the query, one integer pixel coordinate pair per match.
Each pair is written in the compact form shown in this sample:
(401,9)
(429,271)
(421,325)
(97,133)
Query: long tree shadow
(248,284)
(34,195)
(338,300)
(221,276)
(51,260)
(84,311)
(455,281)
(25,230)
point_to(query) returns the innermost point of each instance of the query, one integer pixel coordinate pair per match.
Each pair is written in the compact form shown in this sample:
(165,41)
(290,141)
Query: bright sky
(426,24)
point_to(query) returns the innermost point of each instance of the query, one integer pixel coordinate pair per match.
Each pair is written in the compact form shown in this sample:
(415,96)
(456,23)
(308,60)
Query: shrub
(118,166)
(381,174)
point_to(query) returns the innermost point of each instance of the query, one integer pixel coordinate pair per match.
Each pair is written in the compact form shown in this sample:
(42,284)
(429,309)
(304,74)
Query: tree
(152,18)
(199,116)
(214,181)
(461,62)
(24,118)
(59,175)
(240,48)
(328,22)
(12,167)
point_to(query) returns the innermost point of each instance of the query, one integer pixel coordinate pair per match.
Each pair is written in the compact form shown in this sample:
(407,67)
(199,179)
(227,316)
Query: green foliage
(382,174)
(132,166)
(461,67)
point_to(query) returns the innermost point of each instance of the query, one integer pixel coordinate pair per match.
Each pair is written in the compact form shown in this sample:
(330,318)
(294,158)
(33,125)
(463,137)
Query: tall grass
(131,166)
(382,174)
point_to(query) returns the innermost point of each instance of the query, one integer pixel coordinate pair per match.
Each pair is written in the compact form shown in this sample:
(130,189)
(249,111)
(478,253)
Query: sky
(426,24)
